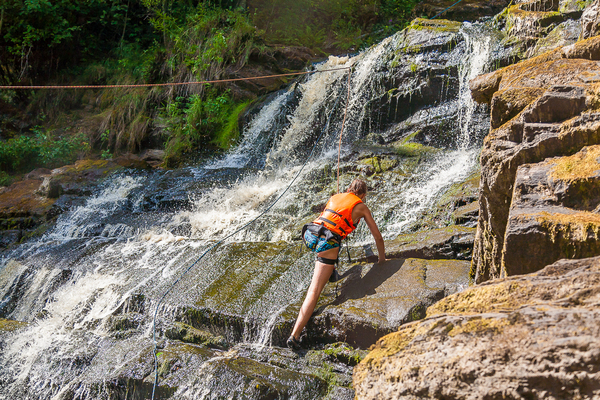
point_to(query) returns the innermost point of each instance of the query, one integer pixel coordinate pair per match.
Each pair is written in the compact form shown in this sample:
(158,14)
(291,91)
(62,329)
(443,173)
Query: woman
(341,216)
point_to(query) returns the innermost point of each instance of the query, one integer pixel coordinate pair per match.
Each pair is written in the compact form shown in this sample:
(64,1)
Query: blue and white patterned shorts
(319,244)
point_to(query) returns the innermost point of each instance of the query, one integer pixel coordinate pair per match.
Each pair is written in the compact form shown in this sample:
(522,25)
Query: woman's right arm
(365,213)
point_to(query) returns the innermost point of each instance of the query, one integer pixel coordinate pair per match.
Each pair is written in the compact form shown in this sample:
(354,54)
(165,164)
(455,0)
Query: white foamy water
(263,124)
(416,197)
(104,252)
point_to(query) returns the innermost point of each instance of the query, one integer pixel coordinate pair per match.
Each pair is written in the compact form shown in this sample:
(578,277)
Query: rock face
(532,336)
(27,205)
(541,108)
(554,212)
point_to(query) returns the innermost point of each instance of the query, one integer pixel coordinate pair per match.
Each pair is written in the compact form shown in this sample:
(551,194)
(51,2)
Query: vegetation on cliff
(96,42)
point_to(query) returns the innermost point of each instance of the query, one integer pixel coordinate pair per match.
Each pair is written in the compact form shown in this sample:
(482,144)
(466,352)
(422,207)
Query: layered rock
(554,212)
(530,336)
(543,107)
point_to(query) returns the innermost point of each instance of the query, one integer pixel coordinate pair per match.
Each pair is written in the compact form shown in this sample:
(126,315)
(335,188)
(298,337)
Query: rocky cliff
(524,337)
(538,200)
(528,327)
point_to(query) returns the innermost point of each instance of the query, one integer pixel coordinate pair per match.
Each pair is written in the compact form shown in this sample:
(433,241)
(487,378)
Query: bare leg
(320,277)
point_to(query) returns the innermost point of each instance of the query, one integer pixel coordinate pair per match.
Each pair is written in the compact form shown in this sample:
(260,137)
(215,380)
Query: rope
(170,84)
(342,131)
(229,236)
(440,13)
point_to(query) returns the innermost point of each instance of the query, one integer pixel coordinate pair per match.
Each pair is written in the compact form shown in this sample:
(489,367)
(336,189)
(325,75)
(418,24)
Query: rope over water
(171,83)
(247,224)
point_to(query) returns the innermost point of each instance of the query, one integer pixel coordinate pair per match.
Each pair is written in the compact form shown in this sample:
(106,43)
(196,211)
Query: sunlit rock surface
(530,336)
(554,212)
(546,107)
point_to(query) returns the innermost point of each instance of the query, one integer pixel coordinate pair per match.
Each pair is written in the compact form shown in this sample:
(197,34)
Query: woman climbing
(324,235)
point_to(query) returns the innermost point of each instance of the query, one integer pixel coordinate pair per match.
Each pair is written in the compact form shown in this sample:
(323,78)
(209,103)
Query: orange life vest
(337,216)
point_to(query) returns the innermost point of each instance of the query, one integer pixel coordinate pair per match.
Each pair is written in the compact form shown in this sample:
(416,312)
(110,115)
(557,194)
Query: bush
(40,150)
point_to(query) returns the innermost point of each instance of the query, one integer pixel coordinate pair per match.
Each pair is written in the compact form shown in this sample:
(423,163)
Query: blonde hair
(358,187)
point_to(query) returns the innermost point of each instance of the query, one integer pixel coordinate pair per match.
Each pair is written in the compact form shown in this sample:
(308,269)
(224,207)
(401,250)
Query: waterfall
(88,286)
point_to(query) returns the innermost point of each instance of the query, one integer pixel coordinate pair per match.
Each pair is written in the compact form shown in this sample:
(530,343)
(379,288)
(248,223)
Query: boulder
(375,300)
(453,242)
(530,336)
(541,71)
(260,295)
(551,214)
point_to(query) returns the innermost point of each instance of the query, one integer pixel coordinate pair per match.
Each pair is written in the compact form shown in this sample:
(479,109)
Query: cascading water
(115,255)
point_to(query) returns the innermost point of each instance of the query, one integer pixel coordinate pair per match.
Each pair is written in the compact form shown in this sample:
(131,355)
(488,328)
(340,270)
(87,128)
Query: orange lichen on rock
(19,200)
(582,165)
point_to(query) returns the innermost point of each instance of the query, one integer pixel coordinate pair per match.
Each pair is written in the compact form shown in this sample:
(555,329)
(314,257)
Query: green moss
(7,325)
(477,325)
(342,352)
(189,334)
(438,25)
(230,132)
(379,164)
(413,149)
(582,165)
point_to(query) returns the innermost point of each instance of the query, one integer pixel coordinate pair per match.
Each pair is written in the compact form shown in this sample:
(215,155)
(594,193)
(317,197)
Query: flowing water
(141,231)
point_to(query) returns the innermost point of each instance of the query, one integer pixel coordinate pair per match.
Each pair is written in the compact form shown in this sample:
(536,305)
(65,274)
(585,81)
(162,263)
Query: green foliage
(229,133)
(5,179)
(326,24)
(145,41)
(191,122)
(26,152)
(39,36)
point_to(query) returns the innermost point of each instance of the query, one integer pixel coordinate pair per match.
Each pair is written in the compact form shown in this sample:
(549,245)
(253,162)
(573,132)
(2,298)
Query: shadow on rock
(358,286)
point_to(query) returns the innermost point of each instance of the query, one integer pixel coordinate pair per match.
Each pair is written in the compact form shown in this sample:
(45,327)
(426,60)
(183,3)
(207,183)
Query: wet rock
(7,328)
(564,34)
(331,363)
(82,177)
(524,22)
(9,237)
(65,203)
(154,157)
(225,377)
(131,161)
(589,21)
(529,336)
(573,8)
(7,325)
(375,300)
(259,295)
(20,200)
(189,334)
(551,213)
(453,242)
(21,297)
